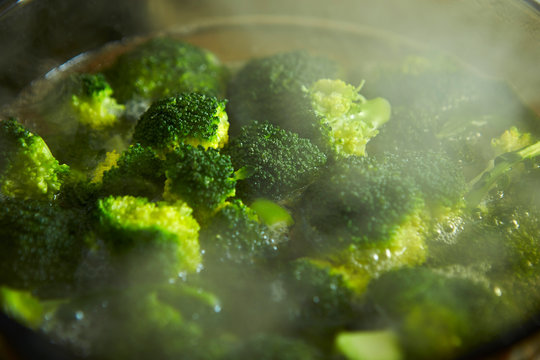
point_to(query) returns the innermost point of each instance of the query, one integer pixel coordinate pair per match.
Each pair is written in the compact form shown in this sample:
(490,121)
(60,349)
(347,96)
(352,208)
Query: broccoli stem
(502,164)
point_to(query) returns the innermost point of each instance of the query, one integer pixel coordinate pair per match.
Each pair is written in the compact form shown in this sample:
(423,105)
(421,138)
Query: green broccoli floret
(138,172)
(204,179)
(235,234)
(163,67)
(272,88)
(269,347)
(274,163)
(436,315)
(27,167)
(190,118)
(156,240)
(41,246)
(345,120)
(22,306)
(94,104)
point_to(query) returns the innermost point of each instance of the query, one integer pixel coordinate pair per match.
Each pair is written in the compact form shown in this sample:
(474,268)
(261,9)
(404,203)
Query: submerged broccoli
(270,88)
(41,246)
(137,172)
(273,162)
(436,315)
(204,179)
(27,167)
(156,240)
(165,66)
(190,118)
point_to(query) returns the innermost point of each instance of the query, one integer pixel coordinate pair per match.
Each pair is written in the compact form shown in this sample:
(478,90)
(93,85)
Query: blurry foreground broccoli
(155,240)
(272,162)
(203,179)
(163,67)
(41,246)
(189,118)
(27,167)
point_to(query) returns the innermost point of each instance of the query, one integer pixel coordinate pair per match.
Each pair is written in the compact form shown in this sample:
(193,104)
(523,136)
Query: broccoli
(164,66)
(235,234)
(27,167)
(137,172)
(204,179)
(41,246)
(435,315)
(272,88)
(275,163)
(190,118)
(82,120)
(22,306)
(155,240)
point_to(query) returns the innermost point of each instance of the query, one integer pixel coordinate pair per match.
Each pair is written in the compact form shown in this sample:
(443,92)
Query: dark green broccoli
(41,246)
(27,167)
(138,172)
(435,314)
(154,240)
(270,88)
(164,66)
(274,163)
(270,347)
(235,234)
(189,118)
(204,179)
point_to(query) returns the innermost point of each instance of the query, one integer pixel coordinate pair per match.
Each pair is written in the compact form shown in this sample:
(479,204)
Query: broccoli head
(274,163)
(137,172)
(190,118)
(345,120)
(204,179)
(235,234)
(41,246)
(164,66)
(27,167)
(151,238)
(272,88)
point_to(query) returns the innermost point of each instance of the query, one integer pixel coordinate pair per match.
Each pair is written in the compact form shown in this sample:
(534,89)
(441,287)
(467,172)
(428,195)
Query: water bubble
(316,299)
(498,291)
(217,308)
(79,315)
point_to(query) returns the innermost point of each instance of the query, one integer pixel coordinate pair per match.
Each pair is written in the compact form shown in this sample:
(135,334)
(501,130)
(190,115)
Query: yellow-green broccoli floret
(189,118)
(347,120)
(27,167)
(134,225)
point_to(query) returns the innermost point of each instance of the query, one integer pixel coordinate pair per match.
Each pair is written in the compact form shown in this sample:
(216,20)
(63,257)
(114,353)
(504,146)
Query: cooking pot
(496,38)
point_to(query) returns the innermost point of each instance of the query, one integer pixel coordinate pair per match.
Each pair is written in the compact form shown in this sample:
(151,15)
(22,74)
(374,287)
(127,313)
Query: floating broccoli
(273,163)
(137,172)
(204,179)
(27,167)
(156,240)
(190,118)
(164,66)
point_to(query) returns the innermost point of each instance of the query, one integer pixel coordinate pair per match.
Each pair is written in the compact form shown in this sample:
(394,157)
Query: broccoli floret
(235,234)
(138,172)
(204,179)
(21,306)
(272,88)
(435,314)
(276,163)
(165,66)
(345,120)
(27,167)
(94,104)
(190,118)
(41,246)
(156,240)
(269,346)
